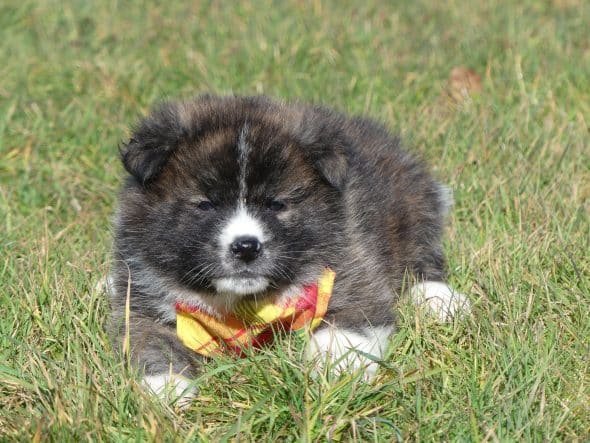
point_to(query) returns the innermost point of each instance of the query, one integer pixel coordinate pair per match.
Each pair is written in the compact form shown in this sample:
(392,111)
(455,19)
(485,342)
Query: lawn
(509,133)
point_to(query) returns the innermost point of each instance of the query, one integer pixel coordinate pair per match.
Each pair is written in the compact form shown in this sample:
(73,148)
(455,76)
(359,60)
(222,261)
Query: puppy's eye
(276,205)
(205,205)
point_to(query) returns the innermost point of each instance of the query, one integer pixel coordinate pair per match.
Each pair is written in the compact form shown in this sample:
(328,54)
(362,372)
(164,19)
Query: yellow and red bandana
(251,323)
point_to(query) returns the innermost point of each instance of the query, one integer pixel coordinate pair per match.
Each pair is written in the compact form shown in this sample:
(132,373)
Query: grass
(75,74)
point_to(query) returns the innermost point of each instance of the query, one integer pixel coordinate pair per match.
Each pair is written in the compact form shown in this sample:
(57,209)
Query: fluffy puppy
(245,198)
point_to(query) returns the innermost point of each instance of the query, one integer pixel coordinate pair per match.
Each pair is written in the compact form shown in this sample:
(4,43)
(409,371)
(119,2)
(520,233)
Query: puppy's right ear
(154,139)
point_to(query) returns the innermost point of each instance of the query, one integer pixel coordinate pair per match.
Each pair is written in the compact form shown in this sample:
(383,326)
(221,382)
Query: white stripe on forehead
(243,152)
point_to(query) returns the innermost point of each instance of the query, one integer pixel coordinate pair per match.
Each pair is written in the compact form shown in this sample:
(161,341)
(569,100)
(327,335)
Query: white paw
(105,285)
(337,349)
(171,387)
(443,301)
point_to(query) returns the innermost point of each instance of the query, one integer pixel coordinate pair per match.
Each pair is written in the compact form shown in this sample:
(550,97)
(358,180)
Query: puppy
(234,201)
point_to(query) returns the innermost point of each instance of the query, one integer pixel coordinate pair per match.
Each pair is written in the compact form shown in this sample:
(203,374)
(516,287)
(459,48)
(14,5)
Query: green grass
(74,75)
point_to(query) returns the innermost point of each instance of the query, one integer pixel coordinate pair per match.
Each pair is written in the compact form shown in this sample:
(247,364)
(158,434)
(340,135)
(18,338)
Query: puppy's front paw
(105,285)
(171,387)
(442,300)
(343,350)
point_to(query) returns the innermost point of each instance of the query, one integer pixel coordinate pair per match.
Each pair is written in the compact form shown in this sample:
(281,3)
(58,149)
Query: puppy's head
(232,195)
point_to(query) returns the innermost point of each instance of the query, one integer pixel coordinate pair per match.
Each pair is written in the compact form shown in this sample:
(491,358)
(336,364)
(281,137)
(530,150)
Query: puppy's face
(235,204)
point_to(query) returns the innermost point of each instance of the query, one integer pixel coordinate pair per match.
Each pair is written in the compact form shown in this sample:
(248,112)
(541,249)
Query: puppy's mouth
(241,284)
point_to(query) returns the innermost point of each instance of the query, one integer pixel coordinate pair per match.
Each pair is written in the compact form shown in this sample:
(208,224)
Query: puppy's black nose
(246,248)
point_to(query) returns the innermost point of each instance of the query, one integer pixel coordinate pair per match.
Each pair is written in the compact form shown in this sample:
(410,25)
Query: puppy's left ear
(154,139)
(320,131)
(331,161)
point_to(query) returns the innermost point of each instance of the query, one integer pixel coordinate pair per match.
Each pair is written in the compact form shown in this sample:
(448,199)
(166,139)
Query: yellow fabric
(253,323)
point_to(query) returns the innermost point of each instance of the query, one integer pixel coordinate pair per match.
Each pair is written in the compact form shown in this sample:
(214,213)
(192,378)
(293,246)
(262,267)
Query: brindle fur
(356,202)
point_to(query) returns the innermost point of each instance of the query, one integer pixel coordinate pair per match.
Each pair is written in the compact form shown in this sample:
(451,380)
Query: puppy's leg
(444,302)
(356,329)
(343,349)
(167,364)
(351,343)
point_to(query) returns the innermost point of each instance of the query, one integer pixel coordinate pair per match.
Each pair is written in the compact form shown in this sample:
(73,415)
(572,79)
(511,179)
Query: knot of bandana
(252,323)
